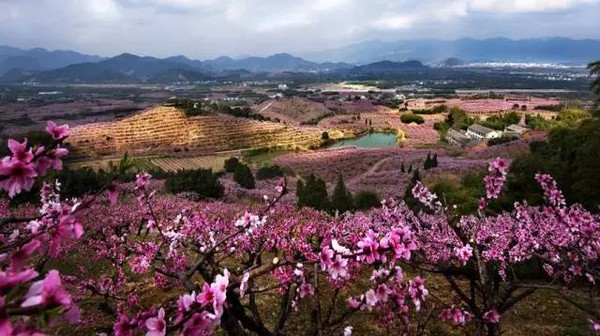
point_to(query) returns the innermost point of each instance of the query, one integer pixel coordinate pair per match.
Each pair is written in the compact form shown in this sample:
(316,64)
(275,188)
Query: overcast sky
(208,28)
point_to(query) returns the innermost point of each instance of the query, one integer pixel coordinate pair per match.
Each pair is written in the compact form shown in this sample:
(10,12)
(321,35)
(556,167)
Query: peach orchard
(221,260)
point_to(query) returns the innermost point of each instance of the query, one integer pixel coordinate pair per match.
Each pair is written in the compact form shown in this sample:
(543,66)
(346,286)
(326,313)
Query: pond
(369,141)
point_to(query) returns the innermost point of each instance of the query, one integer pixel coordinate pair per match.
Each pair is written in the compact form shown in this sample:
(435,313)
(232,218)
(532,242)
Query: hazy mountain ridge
(131,68)
(557,49)
(40,59)
(366,58)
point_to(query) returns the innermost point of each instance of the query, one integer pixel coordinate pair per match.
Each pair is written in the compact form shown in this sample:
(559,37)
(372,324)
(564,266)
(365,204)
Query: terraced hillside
(166,130)
(293,111)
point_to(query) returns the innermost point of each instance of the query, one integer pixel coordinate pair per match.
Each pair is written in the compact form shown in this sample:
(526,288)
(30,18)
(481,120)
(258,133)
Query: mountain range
(129,68)
(372,57)
(40,59)
(554,50)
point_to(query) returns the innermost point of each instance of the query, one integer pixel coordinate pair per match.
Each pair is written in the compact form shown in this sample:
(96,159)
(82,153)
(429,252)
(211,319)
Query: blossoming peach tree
(217,270)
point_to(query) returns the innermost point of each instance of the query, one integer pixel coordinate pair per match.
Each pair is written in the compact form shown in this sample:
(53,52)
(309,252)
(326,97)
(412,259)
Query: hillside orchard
(155,265)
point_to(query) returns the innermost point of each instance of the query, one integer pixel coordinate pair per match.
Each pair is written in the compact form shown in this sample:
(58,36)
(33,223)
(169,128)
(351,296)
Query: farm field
(352,106)
(419,135)
(171,164)
(374,169)
(488,106)
(166,130)
(292,111)
(141,163)
(79,112)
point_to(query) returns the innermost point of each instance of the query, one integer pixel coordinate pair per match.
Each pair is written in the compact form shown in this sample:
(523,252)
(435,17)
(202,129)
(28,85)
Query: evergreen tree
(300,195)
(231,164)
(427,164)
(243,176)
(434,161)
(594,69)
(313,193)
(402,169)
(341,199)
(410,168)
(409,199)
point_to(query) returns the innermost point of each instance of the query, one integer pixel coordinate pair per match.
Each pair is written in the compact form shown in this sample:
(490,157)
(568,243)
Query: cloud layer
(209,28)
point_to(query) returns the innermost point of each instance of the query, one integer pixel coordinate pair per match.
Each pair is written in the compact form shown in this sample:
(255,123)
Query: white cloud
(103,9)
(525,6)
(209,28)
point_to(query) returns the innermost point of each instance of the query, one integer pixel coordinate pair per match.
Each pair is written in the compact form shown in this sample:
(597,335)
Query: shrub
(572,156)
(269,172)
(458,119)
(554,108)
(410,118)
(231,164)
(434,110)
(201,181)
(190,107)
(75,183)
(501,140)
(366,199)
(499,122)
(325,136)
(243,176)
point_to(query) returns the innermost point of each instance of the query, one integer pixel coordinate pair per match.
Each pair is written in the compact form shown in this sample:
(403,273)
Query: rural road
(266,107)
(371,170)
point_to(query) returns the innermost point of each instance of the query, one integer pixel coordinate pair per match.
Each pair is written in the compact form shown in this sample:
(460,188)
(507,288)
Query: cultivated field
(292,111)
(374,169)
(166,130)
(214,162)
(419,135)
(29,117)
(485,106)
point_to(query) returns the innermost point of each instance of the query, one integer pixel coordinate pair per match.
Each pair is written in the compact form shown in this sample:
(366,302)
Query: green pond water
(369,141)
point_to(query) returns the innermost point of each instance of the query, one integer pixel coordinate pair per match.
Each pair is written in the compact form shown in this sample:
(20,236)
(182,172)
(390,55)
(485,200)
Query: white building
(480,132)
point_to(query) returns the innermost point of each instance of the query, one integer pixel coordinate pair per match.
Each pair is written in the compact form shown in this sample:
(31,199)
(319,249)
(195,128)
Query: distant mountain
(192,63)
(556,50)
(40,59)
(130,68)
(450,62)
(388,67)
(331,66)
(179,75)
(276,63)
(84,73)
(125,68)
(142,68)
(18,76)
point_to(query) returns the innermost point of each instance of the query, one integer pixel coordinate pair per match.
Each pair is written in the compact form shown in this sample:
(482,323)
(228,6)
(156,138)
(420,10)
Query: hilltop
(294,110)
(165,130)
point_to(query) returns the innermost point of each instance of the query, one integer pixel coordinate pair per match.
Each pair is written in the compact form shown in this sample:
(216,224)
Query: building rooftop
(517,128)
(480,129)
(460,137)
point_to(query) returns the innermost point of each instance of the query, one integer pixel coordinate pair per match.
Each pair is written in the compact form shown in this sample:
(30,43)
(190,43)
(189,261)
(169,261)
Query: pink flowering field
(130,260)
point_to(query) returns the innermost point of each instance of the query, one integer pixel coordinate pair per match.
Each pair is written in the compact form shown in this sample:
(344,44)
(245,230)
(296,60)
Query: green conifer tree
(341,199)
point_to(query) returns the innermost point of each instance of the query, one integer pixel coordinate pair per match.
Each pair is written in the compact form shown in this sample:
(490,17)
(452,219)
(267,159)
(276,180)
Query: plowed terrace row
(165,130)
